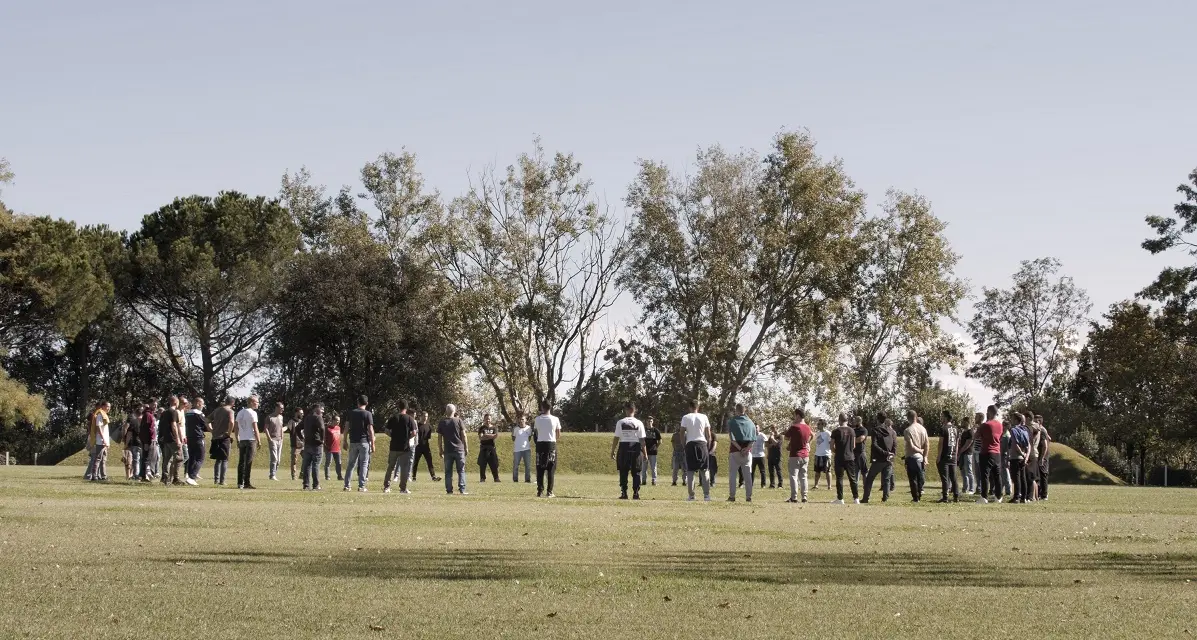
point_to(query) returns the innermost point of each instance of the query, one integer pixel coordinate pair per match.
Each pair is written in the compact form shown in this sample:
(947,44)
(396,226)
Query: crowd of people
(991,459)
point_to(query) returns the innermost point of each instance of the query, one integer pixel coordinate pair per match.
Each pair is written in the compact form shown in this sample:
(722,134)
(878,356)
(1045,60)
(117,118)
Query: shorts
(696,455)
(822,464)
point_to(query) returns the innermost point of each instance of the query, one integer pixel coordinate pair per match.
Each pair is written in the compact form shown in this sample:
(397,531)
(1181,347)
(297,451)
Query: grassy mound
(589,453)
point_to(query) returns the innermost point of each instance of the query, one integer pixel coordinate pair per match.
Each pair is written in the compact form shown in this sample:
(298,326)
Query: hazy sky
(1035,128)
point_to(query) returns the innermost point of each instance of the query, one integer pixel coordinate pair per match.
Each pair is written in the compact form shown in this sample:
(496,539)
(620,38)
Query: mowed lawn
(135,561)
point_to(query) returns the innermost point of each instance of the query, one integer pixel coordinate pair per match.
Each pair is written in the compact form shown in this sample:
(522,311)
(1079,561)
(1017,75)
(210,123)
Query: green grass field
(133,561)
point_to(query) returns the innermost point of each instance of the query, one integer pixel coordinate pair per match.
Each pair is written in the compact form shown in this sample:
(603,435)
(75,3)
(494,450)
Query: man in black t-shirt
(488,456)
(424,430)
(843,453)
(652,442)
(404,435)
(359,434)
(862,460)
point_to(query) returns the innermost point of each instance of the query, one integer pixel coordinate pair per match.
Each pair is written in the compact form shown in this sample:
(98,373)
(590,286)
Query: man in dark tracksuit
(882,452)
(424,449)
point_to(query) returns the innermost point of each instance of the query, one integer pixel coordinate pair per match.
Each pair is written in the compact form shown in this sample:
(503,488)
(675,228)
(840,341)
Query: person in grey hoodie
(742,433)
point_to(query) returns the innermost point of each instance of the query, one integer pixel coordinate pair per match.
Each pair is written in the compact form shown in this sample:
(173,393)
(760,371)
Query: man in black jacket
(313,447)
(882,452)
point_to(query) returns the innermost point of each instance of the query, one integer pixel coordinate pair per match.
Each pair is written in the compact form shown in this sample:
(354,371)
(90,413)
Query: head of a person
(278,408)
(651,420)
(172,402)
(740,410)
(545,407)
(843,419)
(694,404)
(228,401)
(336,420)
(317,410)
(1038,419)
(252,403)
(521,418)
(978,418)
(629,408)
(991,412)
(105,406)
(424,416)
(486,419)
(1016,418)
(298,413)
(882,418)
(362,401)
(450,410)
(857,421)
(822,424)
(184,403)
(912,416)
(947,417)
(799,415)
(198,403)
(405,407)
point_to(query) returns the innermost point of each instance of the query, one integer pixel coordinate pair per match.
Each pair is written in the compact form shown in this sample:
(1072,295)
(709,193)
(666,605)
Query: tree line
(758,277)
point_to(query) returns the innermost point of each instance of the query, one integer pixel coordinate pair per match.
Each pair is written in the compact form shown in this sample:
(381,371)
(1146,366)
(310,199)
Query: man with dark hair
(843,451)
(743,433)
(132,441)
(883,451)
(989,471)
(1020,444)
(222,421)
(248,441)
(274,438)
(652,444)
(678,440)
(424,449)
(521,449)
(862,459)
(799,437)
(918,447)
(696,431)
(773,444)
(488,455)
(404,435)
(170,436)
(453,448)
(149,441)
(629,438)
(360,435)
(313,447)
(1045,439)
(547,428)
(197,428)
(758,458)
(965,458)
(949,449)
(294,426)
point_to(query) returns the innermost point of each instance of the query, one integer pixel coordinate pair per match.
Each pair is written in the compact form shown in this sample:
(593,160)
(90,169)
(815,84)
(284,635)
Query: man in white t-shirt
(630,455)
(248,440)
(521,446)
(823,451)
(698,438)
(547,429)
(100,442)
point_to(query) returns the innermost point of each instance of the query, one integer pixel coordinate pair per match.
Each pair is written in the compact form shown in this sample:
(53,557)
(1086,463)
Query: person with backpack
(949,444)
(1020,444)
(404,435)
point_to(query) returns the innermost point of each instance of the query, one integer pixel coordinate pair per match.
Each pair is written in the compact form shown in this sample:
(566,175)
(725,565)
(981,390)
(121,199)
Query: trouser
(696,461)
(195,458)
(398,466)
(170,462)
(546,466)
(359,460)
(100,453)
(425,452)
(90,471)
(758,467)
(916,473)
(133,466)
(628,460)
(220,468)
(713,468)
(310,467)
(245,461)
(775,466)
(149,460)
(883,468)
(989,474)
(651,465)
(329,457)
(488,457)
(703,478)
(947,475)
(797,477)
(455,460)
(185,456)
(1043,478)
(1018,477)
(276,456)
(966,473)
(1007,483)
(296,454)
(679,464)
(155,459)
(740,466)
(524,456)
(842,468)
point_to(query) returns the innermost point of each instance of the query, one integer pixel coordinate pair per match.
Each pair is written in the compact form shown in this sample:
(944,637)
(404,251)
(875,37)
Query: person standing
(629,438)
(294,427)
(799,438)
(360,435)
(989,439)
(712,461)
(149,441)
(1032,470)
(521,447)
(1007,485)
(742,433)
(248,441)
(405,433)
(773,455)
(918,446)
(678,440)
(652,444)
(1044,453)
(170,437)
(313,445)
(882,453)
(949,450)
(133,444)
(547,429)
(453,448)
(101,441)
(274,438)
(843,449)
(196,425)
(223,426)
(696,430)
(1020,443)
(823,451)
(184,451)
(332,446)
(488,455)
(965,458)
(862,459)
(424,449)
(758,457)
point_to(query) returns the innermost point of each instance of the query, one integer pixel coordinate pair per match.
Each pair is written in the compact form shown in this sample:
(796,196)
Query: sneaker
(690,499)
(191,482)
(804,500)
(941,501)
(406,492)
(675,484)
(998,501)
(250,486)
(449,492)
(386,489)
(623,496)
(551,495)
(856,500)
(731,499)
(362,490)
(464,493)
(747,499)
(865,501)
(654,483)
(346,488)
(982,501)
(437,478)
(837,501)
(706,498)
(539,494)
(275,478)
(635,496)
(790,500)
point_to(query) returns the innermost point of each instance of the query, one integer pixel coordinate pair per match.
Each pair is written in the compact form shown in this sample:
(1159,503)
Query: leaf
(552,615)
(377,627)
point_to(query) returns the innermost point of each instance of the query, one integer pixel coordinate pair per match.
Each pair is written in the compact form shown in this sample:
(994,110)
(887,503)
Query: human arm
(614,443)
(370,430)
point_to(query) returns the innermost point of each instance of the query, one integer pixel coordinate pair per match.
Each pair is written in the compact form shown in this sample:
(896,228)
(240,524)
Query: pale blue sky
(1036,128)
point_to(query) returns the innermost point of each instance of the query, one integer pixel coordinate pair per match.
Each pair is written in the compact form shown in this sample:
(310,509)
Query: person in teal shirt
(742,432)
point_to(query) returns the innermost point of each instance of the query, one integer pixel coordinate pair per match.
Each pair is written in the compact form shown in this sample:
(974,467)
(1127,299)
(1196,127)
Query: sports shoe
(856,500)
(539,494)
(804,500)
(747,499)
(386,489)
(551,495)
(362,490)
(191,482)
(837,501)
(998,501)
(346,488)
(250,486)
(790,500)
(635,496)
(406,492)
(982,501)
(706,498)
(463,493)
(275,478)
(941,501)
(623,496)
(689,498)
(731,499)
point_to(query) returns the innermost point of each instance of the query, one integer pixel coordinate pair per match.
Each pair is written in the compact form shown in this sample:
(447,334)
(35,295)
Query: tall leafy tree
(204,273)
(1026,336)
(530,258)
(740,267)
(1176,287)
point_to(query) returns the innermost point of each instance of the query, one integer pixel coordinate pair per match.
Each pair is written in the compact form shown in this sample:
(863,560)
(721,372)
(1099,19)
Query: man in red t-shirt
(798,436)
(989,433)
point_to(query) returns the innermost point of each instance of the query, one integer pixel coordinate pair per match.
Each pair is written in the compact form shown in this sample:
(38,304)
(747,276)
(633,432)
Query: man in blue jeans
(359,434)
(451,442)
